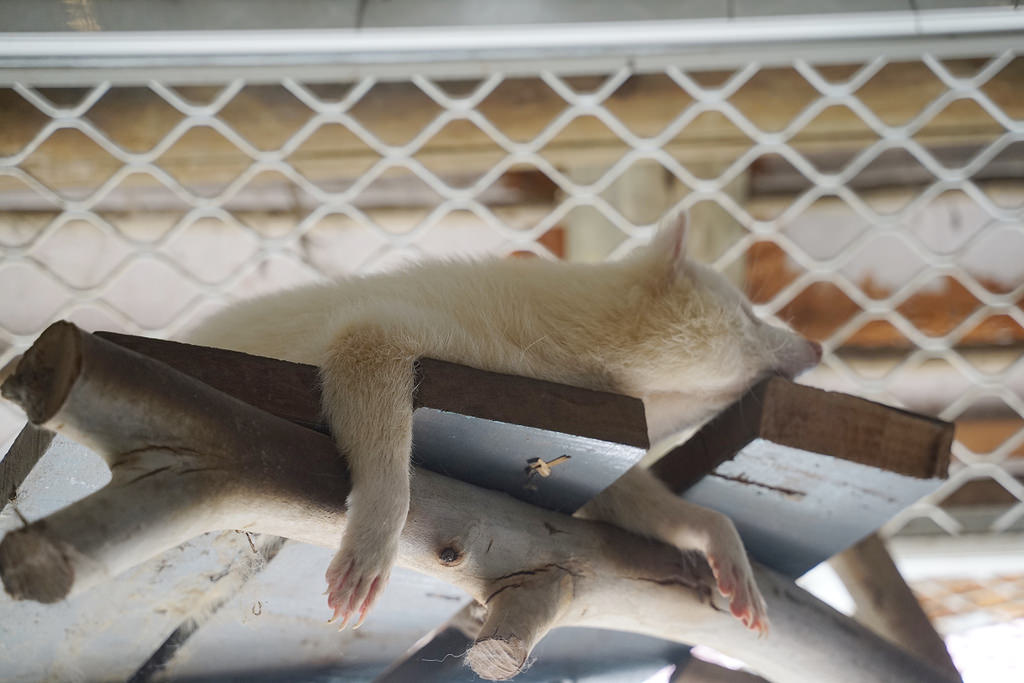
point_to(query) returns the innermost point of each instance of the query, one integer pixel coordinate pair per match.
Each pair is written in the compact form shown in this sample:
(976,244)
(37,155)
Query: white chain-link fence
(877,206)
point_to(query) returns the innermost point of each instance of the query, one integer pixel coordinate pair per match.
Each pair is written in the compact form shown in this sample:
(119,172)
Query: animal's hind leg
(638,502)
(367,393)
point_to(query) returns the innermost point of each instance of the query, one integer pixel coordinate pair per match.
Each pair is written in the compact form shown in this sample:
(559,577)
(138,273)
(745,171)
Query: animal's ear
(669,245)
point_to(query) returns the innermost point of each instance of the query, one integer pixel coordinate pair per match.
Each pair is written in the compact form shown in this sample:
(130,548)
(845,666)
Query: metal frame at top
(62,58)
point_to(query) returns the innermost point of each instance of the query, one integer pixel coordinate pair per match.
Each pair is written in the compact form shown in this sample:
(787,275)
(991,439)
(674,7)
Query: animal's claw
(354,582)
(736,583)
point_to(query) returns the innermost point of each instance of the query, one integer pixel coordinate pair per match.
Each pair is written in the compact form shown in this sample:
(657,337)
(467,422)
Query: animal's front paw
(736,582)
(355,578)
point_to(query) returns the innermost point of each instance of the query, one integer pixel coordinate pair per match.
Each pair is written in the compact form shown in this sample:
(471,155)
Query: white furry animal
(653,325)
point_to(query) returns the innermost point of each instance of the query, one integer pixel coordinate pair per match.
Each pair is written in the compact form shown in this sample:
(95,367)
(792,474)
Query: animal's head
(721,346)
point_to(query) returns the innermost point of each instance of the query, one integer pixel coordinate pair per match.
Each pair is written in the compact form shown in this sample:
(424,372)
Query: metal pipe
(475,43)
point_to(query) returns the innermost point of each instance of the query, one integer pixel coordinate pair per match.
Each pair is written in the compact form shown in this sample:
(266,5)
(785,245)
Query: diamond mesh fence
(877,207)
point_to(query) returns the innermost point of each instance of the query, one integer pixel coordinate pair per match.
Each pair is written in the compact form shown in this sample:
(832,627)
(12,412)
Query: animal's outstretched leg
(367,392)
(638,502)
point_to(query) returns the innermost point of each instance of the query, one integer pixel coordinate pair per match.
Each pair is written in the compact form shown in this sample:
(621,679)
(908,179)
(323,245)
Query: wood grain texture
(777,410)
(289,390)
(28,447)
(855,429)
(809,419)
(885,602)
(530,402)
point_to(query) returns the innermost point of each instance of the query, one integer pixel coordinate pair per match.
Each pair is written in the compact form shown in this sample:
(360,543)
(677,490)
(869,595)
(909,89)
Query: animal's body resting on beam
(187,459)
(654,325)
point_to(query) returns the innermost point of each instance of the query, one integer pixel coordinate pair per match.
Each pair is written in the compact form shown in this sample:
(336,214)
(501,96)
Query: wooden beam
(778,410)
(886,604)
(28,447)
(696,670)
(236,575)
(804,418)
(713,229)
(283,389)
(775,176)
(808,455)
(432,659)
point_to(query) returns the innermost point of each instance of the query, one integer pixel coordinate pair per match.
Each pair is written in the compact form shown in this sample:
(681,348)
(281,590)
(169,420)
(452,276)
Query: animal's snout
(815,351)
(798,356)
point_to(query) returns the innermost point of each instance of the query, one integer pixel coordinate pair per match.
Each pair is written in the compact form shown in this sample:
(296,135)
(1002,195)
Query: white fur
(653,326)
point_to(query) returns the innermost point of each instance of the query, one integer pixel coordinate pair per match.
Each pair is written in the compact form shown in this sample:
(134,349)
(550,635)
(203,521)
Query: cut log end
(498,659)
(33,567)
(518,616)
(45,374)
(9,369)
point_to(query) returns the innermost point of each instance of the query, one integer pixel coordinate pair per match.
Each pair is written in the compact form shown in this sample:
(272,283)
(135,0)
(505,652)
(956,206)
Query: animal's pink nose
(816,350)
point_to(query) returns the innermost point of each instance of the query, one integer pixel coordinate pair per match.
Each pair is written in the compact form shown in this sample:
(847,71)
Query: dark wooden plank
(436,657)
(817,421)
(856,430)
(805,473)
(531,402)
(28,447)
(781,411)
(288,390)
(719,440)
(237,575)
(485,428)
